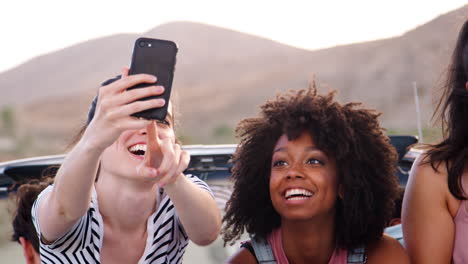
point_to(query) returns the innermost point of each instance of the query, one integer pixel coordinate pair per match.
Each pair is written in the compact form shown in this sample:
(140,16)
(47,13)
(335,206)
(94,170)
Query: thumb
(153,154)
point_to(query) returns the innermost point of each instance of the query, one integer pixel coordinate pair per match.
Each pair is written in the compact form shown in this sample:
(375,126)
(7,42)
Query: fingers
(153,155)
(115,105)
(111,120)
(174,161)
(165,156)
(170,154)
(126,82)
(145,171)
(132,123)
(125,71)
(127,100)
(138,106)
(184,161)
(170,172)
(152,135)
(130,96)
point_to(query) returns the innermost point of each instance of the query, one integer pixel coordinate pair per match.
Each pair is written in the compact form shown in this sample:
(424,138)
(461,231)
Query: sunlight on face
(303,180)
(128,151)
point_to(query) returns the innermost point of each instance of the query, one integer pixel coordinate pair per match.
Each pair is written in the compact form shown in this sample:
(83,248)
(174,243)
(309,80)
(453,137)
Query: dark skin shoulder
(242,256)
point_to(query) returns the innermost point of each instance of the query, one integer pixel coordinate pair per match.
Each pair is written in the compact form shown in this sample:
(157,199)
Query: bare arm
(428,226)
(387,251)
(197,210)
(59,209)
(195,207)
(70,198)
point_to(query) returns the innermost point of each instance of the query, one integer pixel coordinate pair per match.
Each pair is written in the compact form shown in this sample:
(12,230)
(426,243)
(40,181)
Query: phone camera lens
(142,44)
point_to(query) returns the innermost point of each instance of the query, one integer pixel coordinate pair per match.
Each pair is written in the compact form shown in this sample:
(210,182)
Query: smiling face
(128,151)
(303,180)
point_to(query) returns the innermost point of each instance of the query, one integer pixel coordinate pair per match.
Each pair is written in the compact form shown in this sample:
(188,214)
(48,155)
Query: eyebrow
(307,148)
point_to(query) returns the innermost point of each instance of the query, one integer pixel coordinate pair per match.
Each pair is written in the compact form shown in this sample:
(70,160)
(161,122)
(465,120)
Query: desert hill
(223,75)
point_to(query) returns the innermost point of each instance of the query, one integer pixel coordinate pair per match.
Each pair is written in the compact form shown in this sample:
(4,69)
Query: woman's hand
(164,159)
(196,208)
(115,106)
(60,209)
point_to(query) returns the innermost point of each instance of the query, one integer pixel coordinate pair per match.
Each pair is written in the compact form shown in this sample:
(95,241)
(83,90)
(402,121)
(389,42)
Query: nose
(142,131)
(296,172)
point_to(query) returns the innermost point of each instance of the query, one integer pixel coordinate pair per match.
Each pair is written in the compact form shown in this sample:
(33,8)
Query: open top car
(211,163)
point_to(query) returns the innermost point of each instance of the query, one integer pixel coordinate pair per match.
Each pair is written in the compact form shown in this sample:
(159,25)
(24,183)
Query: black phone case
(156,57)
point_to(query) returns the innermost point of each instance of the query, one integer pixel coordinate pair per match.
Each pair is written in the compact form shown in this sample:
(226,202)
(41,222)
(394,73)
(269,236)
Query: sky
(31,28)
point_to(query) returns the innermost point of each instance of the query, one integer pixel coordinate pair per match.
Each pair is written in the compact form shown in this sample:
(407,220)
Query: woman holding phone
(120,195)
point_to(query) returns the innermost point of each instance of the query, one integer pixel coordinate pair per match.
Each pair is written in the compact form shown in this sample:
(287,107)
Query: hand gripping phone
(156,57)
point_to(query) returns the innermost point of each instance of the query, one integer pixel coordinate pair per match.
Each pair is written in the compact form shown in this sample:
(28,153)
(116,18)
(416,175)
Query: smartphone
(156,57)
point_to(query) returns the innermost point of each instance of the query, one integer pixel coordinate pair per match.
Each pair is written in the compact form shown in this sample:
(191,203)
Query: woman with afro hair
(314,182)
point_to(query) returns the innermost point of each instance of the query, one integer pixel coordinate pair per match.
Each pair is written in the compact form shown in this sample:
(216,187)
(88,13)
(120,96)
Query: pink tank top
(460,246)
(275,240)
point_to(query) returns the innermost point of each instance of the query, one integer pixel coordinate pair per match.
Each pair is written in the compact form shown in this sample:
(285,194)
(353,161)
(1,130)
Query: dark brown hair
(22,220)
(452,110)
(352,135)
(398,203)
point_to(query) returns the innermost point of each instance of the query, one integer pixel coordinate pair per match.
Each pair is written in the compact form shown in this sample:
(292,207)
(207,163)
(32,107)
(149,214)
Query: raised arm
(195,206)
(197,210)
(428,226)
(70,197)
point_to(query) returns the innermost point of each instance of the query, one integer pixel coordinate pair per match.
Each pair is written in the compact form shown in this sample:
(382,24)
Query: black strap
(263,251)
(247,245)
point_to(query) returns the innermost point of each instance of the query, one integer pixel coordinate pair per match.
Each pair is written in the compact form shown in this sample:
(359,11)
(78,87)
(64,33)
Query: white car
(211,163)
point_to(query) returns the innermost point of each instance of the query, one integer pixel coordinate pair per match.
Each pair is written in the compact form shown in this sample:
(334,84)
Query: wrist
(174,183)
(89,147)
(90,142)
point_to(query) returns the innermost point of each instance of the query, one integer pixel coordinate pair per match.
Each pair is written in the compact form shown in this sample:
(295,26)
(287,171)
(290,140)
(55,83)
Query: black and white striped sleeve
(201,184)
(75,240)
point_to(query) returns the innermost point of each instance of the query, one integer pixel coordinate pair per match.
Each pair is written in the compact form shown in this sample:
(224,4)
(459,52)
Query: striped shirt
(166,240)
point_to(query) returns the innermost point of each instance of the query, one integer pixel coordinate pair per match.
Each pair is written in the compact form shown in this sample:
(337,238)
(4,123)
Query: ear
(30,254)
(466,86)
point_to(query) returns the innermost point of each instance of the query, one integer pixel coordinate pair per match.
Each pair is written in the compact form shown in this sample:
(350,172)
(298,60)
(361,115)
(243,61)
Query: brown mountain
(223,75)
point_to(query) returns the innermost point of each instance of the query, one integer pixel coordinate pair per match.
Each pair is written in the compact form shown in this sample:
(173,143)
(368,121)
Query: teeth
(291,194)
(138,147)
(297,198)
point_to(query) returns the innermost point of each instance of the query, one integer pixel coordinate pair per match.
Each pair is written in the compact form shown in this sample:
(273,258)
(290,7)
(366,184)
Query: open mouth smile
(297,194)
(138,150)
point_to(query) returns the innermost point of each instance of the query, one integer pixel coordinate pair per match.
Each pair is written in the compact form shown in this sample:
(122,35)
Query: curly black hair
(366,164)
